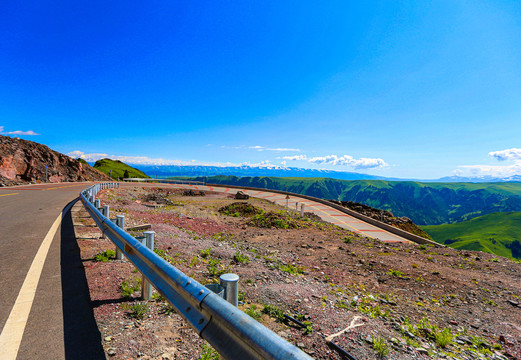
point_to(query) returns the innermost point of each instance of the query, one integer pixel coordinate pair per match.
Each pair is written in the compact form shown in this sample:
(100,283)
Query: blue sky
(411,89)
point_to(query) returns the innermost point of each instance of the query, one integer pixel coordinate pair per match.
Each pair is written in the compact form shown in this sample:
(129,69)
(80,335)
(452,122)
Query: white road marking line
(13,330)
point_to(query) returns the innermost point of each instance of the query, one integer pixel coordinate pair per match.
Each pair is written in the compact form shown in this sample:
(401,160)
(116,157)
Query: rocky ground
(411,301)
(23,161)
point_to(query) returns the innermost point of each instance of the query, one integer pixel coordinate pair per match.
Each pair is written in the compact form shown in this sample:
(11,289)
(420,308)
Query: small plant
(164,255)
(138,310)
(443,337)
(308,328)
(205,253)
(342,305)
(323,301)
(395,273)
(215,268)
(128,289)
(274,311)
(347,239)
(240,258)
(194,261)
(167,309)
(291,269)
(252,312)
(105,256)
(414,265)
(208,353)
(380,346)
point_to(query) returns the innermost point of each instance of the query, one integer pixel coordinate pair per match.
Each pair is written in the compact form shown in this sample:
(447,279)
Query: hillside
(423,203)
(23,161)
(414,301)
(498,233)
(118,169)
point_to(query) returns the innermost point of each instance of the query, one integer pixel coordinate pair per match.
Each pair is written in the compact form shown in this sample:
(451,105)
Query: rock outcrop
(23,161)
(384,216)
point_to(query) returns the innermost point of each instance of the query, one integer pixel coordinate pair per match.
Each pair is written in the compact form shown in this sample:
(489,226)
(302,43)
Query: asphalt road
(59,324)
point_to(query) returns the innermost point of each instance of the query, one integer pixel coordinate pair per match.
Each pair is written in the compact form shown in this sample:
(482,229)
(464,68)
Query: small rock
(452,322)
(108,338)
(422,351)
(300,345)
(111,352)
(369,339)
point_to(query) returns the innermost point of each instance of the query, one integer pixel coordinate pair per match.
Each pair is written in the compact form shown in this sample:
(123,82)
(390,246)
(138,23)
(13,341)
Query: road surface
(45,310)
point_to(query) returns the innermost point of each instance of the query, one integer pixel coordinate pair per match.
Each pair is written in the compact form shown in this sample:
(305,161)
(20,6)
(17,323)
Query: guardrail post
(230,283)
(97,204)
(120,221)
(302,210)
(146,287)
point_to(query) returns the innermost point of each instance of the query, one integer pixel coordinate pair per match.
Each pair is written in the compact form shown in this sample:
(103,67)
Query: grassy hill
(497,233)
(424,203)
(119,169)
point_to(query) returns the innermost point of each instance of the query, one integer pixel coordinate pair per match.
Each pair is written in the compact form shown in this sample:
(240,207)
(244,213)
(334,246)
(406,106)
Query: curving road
(327,213)
(45,310)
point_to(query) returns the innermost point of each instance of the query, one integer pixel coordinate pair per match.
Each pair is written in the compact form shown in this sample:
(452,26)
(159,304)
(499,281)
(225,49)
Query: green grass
(493,233)
(119,169)
(240,258)
(380,346)
(208,353)
(105,256)
(139,310)
(274,311)
(129,288)
(252,312)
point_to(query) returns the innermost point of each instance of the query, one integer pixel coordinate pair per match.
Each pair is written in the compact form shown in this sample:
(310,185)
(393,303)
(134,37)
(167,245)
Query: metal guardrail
(231,332)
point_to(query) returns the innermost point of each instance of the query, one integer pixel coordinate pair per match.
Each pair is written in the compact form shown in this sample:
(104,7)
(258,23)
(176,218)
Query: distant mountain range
(165,171)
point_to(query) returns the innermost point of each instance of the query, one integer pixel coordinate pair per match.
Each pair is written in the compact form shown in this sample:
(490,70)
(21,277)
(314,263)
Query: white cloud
(499,171)
(491,170)
(346,160)
(295,157)
(509,154)
(262,148)
(17,132)
(143,160)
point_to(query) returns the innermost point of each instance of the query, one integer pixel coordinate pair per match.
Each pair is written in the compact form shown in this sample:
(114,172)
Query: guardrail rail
(234,334)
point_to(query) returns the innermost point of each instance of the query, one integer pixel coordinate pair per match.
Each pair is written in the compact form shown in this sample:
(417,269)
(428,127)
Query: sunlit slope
(498,233)
(118,169)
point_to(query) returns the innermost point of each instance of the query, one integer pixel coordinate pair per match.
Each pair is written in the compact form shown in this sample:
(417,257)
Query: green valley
(498,233)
